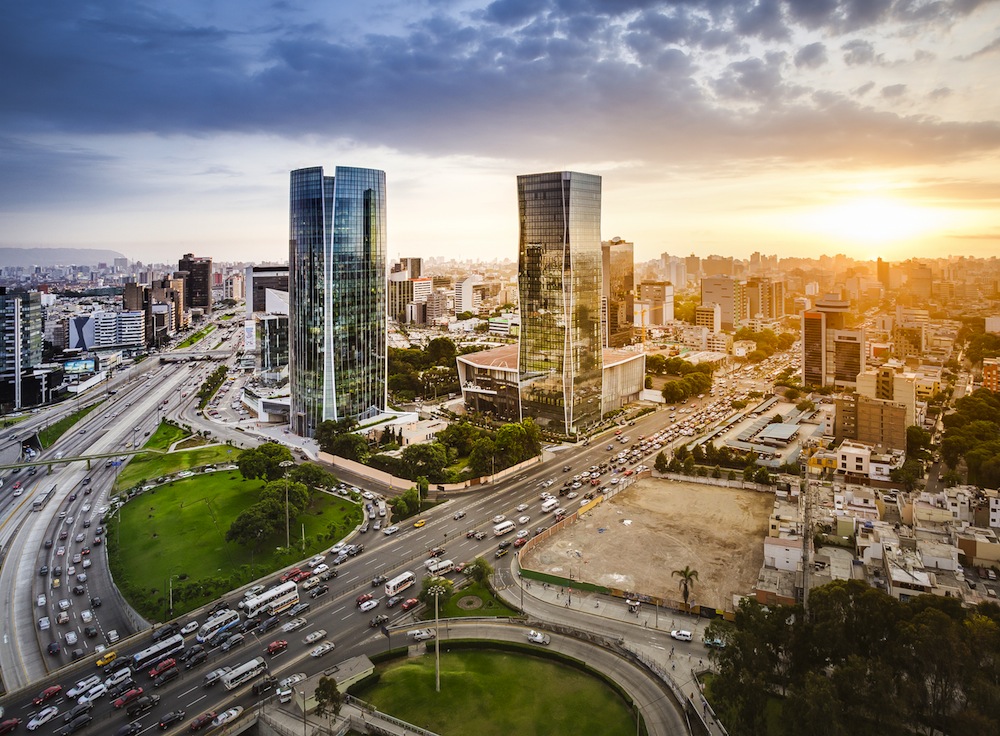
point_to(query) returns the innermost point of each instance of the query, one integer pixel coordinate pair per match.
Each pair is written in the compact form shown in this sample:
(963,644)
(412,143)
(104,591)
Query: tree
(329,700)
(762,476)
(430,581)
(349,446)
(661,462)
(264,461)
(255,523)
(686,581)
(312,476)
(917,440)
(328,430)
(441,351)
(480,570)
(296,493)
(428,460)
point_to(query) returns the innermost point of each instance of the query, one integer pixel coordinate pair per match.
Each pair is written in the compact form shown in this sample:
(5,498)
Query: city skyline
(717,126)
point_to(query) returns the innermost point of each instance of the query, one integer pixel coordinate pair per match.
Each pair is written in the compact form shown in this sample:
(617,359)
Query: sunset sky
(796,127)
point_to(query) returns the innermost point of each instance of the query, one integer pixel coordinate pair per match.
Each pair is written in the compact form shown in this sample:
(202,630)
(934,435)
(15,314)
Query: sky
(794,127)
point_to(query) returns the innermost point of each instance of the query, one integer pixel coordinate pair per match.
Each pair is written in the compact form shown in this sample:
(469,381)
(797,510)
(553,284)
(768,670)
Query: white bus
(273,601)
(222,621)
(400,582)
(440,567)
(244,673)
(504,527)
(158,651)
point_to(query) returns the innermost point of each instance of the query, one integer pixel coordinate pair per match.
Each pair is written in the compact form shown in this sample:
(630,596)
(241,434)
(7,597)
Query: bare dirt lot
(636,539)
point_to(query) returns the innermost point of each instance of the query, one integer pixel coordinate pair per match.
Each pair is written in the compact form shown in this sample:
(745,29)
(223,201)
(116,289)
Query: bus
(504,527)
(273,601)
(244,673)
(156,652)
(400,582)
(41,499)
(222,621)
(440,567)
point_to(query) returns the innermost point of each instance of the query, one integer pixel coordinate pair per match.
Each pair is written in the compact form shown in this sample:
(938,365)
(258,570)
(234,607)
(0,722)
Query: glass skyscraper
(337,298)
(559,272)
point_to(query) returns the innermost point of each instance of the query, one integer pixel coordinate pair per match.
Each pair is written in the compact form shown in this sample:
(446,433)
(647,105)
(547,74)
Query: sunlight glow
(874,220)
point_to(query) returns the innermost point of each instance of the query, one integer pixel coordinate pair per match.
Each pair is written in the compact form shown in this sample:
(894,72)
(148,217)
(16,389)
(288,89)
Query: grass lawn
(227,317)
(164,436)
(197,336)
(54,431)
(491,605)
(179,529)
(498,694)
(149,466)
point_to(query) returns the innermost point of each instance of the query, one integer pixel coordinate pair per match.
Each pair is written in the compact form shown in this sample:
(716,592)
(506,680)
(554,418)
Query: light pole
(171,585)
(284,466)
(303,694)
(436,591)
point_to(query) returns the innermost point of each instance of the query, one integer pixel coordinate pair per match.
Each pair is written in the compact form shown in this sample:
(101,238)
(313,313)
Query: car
(47,694)
(315,560)
(419,523)
(214,676)
(268,623)
(42,717)
(54,648)
(715,643)
(369,605)
(97,541)
(319,590)
(420,634)
(195,659)
(140,706)
(190,652)
(64,535)
(79,538)
(83,686)
(41,600)
(70,638)
(522,507)
(320,569)
(378,580)
(501,552)
(97,691)
(314,636)
(340,559)
(353,550)
(166,677)
(566,468)
(292,680)
(536,637)
(523,520)
(393,601)
(162,667)
(458,515)
(498,518)
(201,721)
(60,551)
(90,631)
(9,725)
(86,563)
(322,649)
(302,575)
(298,608)
(409,603)
(390,530)
(337,548)
(681,635)
(328,574)
(378,620)
(236,640)
(504,544)
(480,535)
(277,647)
(226,716)
(43,570)
(189,628)
(254,591)
(520,542)
(362,598)
(436,551)
(106,659)
(285,577)
(174,716)
(164,632)
(294,625)
(48,544)
(129,729)
(79,590)
(127,698)
(123,686)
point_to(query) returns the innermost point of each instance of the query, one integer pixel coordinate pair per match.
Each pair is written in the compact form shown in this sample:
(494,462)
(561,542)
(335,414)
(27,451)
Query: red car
(520,542)
(201,721)
(127,698)
(409,603)
(364,597)
(288,576)
(47,694)
(302,575)
(276,647)
(9,725)
(162,667)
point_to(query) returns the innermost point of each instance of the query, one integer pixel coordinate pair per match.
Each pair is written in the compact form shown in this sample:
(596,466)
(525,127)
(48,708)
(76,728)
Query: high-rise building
(559,266)
(882,272)
(337,294)
(198,281)
(708,316)
(617,292)
(258,280)
(657,299)
(765,298)
(832,354)
(730,295)
(410,266)
(991,374)
(466,297)
(20,344)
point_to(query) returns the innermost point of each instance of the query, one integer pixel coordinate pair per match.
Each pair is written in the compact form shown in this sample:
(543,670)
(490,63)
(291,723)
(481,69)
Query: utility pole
(805,490)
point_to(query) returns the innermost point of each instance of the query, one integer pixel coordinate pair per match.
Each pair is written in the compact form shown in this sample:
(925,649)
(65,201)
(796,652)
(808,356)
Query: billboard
(249,335)
(79,366)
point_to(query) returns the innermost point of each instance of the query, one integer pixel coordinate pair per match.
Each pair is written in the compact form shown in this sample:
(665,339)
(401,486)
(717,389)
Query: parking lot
(635,540)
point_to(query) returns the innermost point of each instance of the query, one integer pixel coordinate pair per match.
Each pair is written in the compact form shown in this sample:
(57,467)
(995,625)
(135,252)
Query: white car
(458,515)
(523,520)
(572,494)
(322,649)
(86,563)
(292,680)
(498,518)
(368,495)
(681,635)
(313,561)
(335,549)
(254,591)
(42,717)
(189,628)
(226,716)
(522,507)
(321,568)
(294,625)
(420,634)
(97,691)
(71,638)
(523,532)
(389,530)
(82,686)
(41,600)
(314,636)
(369,605)
(63,604)
(536,637)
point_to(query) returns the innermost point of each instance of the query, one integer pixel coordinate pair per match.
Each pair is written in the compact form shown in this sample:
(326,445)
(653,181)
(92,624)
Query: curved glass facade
(336,284)
(559,280)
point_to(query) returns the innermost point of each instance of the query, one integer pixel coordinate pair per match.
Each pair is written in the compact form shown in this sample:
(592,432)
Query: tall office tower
(337,295)
(692,265)
(832,355)
(409,266)
(991,374)
(617,292)
(198,282)
(171,291)
(258,280)
(730,295)
(882,273)
(765,298)
(559,267)
(20,344)
(658,299)
(920,281)
(465,294)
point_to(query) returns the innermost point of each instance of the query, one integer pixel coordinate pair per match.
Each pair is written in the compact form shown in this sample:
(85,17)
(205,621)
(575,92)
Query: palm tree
(687,577)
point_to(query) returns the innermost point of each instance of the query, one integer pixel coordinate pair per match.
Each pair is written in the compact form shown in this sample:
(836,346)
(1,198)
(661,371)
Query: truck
(549,504)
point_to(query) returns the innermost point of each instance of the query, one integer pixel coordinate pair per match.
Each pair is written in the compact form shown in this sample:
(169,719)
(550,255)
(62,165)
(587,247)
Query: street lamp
(303,694)
(284,465)
(436,591)
(171,585)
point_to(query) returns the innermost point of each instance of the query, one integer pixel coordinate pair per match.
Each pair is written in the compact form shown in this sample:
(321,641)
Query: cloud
(940,93)
(893,91)
(811,56)
(991,48)
(858,52)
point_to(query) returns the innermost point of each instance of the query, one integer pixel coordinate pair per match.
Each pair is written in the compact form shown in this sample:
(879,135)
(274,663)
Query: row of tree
(767,343)
(692,384)
(972,435)
(859,662)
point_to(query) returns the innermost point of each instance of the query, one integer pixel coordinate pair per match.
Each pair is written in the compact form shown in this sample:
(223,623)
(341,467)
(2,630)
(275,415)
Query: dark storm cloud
(517,78)
(811,56)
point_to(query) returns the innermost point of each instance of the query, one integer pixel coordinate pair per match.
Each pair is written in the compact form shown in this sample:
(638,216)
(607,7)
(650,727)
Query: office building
(20,346)
(467,299)
(765,298)
(710,317)
(233,287)
(337,295)
(730,295)
(617,292)
(657,301)
(559,267)
(171,291)
(832,354)
(409,266)
(882,272)
(198,281)
(991,374)
(258,280)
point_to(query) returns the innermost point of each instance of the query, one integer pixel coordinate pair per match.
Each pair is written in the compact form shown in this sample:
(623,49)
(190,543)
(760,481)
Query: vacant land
(498,694)
(634,541)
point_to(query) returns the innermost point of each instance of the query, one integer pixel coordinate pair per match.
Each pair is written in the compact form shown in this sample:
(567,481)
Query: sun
(873,220)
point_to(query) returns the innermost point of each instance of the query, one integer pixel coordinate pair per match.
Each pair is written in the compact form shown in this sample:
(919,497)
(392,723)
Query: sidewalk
(647,632)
